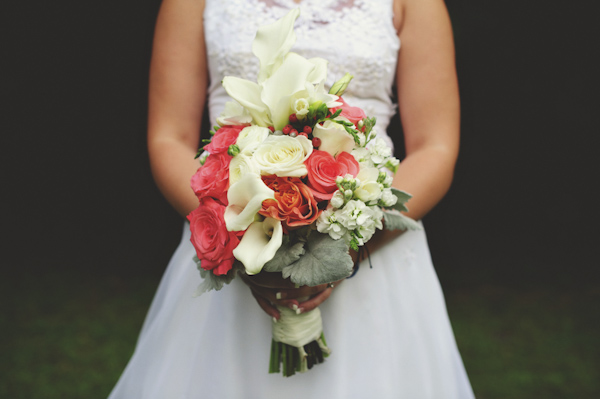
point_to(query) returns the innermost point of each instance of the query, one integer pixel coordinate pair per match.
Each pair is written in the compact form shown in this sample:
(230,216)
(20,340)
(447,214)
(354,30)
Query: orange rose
(294,203)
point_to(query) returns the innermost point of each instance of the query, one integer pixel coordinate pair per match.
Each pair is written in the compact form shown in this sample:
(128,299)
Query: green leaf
(325,260)
(403,198)
(212,281)
(393,220)
(285,255)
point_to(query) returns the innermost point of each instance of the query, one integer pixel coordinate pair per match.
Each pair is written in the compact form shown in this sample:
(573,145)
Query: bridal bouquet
(292,178)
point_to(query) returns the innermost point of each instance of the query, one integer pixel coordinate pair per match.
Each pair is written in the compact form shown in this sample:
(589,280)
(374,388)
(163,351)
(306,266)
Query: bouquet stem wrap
(298,342)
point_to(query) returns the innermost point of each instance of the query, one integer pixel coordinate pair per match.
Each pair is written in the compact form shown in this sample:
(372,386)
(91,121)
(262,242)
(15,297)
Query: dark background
(77,187)
(79,205)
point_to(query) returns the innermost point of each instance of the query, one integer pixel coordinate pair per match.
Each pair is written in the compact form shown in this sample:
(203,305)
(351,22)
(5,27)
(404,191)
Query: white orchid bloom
(259,244)
(245,199)
(334,138)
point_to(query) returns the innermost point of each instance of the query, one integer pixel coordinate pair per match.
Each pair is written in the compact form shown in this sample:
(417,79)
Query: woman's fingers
(314,301)
(265,305)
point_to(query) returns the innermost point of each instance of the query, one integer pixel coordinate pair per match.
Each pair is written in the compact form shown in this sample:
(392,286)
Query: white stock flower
(259,244)
(250,138)
(388,198)
(240,165)
(234,114)
(327,223)
(363,157)
(334,138)
(353,214)
(371,223)
(380,151)
(245,199)
(337,200)
(283,156)
(369,189)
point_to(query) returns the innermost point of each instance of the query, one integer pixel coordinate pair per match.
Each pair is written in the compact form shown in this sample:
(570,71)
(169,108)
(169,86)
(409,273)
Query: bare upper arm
(426,76)
(178,72)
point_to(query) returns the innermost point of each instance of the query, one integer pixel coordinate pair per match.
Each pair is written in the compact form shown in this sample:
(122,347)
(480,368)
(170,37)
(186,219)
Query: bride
(388,327)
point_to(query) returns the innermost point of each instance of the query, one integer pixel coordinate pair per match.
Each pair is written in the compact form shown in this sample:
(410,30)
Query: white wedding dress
(387,327)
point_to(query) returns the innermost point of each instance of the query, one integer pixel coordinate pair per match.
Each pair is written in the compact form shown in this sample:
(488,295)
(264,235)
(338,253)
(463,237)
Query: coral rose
(294,203)
(353,114)
(213,243)
(223,138)
(212,178)
(323,169)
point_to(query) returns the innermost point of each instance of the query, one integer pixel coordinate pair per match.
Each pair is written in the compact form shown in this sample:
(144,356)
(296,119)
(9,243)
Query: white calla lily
(248,94)
(245,199)
(234,114)
(259,244)
(289,79)
(273,42)
(334,138)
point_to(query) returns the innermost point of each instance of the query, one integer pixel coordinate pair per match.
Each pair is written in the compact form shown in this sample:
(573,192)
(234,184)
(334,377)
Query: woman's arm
(428,101)
(429,106)
(177,94)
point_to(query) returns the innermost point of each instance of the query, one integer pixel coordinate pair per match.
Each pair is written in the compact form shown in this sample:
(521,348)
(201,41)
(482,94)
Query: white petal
(272,42)
(259,244)
(248,94)
(290,78)
(245,200)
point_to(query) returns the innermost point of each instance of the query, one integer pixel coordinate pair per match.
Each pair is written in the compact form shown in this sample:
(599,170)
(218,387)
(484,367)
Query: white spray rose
(300,108)
(369,189)
(239,166)
(250,138)
(283,156)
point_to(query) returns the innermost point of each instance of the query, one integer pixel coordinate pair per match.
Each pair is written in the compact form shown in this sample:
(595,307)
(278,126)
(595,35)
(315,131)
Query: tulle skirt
(387,327)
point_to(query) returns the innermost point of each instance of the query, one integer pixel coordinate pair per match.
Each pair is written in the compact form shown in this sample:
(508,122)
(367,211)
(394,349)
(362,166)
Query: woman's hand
(270,289)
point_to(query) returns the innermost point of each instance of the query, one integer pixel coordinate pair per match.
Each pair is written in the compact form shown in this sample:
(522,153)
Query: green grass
(68,335)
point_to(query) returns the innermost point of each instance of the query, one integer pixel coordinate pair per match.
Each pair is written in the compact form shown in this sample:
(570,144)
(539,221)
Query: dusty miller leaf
(403,198)
(285,255)
(325,260)
(393,220)
(212,282)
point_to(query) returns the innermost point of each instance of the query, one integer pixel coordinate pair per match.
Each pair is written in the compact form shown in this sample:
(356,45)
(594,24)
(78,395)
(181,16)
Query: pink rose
(223,138)
(213,243)
(323,169)
(353,114)
(294,203)
(212,178)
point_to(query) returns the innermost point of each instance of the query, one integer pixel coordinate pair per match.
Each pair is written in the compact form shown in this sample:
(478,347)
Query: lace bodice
(355,36)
